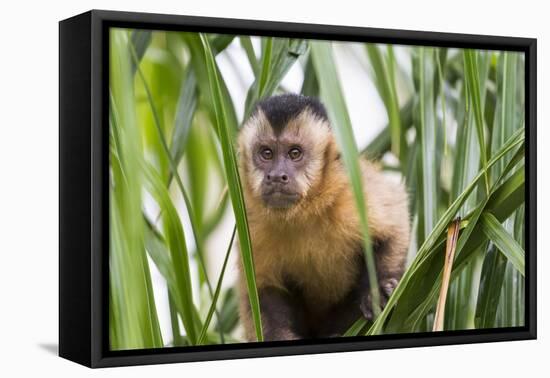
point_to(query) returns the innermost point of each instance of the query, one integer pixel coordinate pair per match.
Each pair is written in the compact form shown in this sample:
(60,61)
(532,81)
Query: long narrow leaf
(279,55)
(206,96)
(385,82)
(186,106)
(246,43)
(333,97)
(472,80)
(175,238)
(428,173)
(266,67)
(492,277)
(141,40)
(218,289)
(382,142)
(227,138)
(310,86)
(504,241)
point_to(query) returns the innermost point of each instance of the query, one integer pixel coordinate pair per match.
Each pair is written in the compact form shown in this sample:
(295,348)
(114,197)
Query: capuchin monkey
(305,231)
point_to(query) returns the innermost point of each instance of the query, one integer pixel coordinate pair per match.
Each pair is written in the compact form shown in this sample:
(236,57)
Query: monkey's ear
(332,153)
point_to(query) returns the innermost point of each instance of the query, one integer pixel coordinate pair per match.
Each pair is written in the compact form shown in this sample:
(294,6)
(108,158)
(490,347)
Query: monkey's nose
(278,178)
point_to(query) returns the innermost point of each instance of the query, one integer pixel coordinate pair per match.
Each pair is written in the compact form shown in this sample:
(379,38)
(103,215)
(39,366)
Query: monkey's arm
(281,316)
(389,226)
(390,264)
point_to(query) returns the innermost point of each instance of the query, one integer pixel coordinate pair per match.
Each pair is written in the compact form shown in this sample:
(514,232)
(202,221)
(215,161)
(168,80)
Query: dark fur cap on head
(282,108)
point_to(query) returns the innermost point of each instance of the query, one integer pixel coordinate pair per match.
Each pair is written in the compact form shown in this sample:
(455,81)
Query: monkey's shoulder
(387,202)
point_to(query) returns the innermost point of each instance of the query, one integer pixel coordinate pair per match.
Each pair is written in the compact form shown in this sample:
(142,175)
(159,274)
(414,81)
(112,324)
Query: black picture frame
(83,194)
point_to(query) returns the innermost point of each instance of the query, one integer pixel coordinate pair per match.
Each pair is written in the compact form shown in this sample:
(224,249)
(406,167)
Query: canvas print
(266,189)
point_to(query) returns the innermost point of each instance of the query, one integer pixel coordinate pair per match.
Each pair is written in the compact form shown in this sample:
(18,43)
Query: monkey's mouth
(279,199)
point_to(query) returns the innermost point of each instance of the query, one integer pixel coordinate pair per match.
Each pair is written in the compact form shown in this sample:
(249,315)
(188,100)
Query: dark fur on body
(305,231)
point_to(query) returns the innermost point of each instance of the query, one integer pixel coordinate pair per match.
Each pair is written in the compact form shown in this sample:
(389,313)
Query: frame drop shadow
(52,348)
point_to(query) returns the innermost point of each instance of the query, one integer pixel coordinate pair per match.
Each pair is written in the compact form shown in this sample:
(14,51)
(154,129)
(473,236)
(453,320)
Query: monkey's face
(280,162)
(283,163)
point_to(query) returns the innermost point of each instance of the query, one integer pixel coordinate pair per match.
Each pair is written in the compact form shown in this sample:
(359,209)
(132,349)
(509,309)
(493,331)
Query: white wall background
(29,186)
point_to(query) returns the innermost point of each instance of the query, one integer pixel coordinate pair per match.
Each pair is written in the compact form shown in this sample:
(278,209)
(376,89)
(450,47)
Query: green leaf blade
(504,241)
(227,138)
(333,97)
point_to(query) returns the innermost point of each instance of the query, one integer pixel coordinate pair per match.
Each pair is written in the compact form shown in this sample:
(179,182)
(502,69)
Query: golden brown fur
(315,243)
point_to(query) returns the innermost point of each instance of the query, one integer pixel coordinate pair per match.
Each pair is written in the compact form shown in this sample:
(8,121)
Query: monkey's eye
(295,153)
(266,153)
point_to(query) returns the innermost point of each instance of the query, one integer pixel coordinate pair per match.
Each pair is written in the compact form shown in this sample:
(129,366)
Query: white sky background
(368,117)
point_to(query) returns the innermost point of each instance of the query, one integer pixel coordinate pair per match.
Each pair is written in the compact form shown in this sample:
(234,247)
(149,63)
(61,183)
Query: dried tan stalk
(452,238)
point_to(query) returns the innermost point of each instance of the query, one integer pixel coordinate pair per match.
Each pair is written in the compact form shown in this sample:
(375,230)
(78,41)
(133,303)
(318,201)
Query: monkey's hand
(386,287)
